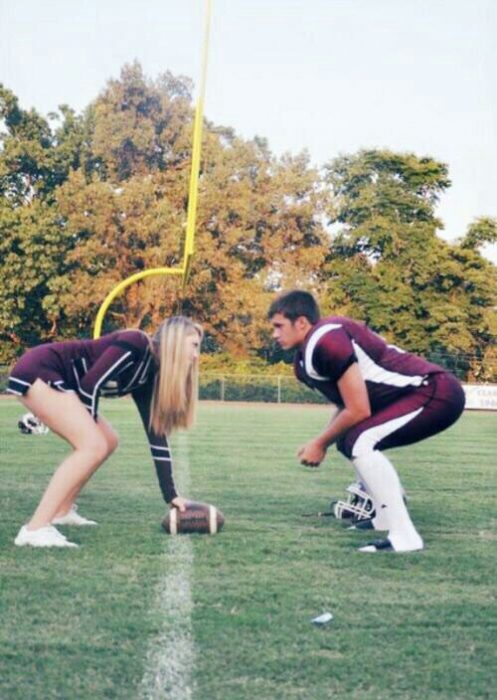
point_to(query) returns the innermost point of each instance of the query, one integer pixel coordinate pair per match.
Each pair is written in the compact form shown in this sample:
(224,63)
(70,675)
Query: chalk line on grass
(170,657)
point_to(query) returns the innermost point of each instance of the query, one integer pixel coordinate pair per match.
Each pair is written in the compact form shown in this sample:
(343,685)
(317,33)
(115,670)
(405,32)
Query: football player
(61,383)
(386,398)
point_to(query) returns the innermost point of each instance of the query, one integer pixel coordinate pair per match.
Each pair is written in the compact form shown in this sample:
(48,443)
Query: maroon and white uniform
(115,365)
(410,397)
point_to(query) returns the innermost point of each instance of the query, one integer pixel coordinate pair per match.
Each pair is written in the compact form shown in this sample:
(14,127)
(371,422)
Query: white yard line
(171,654)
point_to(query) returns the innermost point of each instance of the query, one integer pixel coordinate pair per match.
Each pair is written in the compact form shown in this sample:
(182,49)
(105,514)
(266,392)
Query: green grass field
(86,623)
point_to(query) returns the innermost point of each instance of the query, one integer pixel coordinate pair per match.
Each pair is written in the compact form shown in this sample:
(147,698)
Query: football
(198,517)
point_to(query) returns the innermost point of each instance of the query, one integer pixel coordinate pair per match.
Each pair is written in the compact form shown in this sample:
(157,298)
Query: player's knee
(96,448)
(112,442)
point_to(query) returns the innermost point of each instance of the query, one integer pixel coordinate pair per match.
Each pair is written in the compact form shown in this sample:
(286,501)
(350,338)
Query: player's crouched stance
(386,398)
(61,384)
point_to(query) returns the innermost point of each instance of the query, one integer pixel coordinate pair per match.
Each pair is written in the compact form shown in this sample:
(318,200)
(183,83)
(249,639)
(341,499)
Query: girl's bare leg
(112,442)
(65,415)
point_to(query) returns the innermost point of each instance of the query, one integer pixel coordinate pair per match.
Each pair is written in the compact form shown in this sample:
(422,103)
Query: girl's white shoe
(72,517)
(42,537)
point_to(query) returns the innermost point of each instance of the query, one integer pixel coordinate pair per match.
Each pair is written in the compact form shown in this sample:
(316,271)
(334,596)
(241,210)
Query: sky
(329,76)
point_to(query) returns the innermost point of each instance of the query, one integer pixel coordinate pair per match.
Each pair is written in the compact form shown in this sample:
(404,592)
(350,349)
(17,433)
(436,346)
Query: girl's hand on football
(179,503)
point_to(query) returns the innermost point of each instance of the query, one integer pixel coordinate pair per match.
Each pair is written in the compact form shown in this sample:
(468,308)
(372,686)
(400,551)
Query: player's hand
(311,454)
(179,503)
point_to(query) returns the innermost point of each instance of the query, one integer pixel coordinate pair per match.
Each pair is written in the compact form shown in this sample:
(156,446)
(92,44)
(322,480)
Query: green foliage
(385,185)
(388,267)
(142,126)
(481,231)
(32,253)
(226,363)
(35,159)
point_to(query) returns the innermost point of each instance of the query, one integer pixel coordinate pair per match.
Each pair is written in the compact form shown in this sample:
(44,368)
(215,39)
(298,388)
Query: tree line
(89,198)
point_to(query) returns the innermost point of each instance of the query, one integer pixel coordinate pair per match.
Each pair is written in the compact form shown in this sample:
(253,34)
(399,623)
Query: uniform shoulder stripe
(311,345)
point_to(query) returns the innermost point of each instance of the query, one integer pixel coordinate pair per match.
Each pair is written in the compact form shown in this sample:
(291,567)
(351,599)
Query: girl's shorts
(42,363)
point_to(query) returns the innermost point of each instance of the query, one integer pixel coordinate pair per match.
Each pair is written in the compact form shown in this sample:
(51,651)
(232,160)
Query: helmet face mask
(358,506)
(31,425)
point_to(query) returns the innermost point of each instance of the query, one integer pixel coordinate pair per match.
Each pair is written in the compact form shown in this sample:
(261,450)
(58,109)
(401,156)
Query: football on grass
(198,517)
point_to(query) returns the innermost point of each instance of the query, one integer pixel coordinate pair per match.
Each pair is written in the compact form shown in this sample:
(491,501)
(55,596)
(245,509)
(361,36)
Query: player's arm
(159,447)
(334,358)
(356,409)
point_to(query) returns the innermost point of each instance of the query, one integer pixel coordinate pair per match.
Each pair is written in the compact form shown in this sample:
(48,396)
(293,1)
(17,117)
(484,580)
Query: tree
(141,126)
(387,265)
(479,233)
(258,227)
(89,199)
(34,160)
(111,232)
(130,215)
(379,195)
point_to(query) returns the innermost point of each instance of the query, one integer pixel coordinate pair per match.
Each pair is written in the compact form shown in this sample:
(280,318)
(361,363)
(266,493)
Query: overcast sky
(331,76)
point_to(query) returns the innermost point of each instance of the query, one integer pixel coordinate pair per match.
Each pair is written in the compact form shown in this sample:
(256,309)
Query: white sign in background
(481,396)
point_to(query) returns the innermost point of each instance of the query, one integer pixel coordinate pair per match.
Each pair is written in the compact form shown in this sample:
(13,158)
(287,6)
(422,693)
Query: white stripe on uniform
(368,440)
(372,372)
(309,351)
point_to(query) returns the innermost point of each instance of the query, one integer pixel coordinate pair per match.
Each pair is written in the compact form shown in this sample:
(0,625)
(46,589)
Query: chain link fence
(286,389)
(226,387)
(265,388)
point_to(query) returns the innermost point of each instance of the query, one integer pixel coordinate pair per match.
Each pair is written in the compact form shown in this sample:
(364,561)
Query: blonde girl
(61,383)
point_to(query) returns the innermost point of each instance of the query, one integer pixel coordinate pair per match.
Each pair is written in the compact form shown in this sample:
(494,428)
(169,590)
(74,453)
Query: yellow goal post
(189,242)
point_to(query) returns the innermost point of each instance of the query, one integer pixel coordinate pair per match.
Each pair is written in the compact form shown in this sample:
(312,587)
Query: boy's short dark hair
(294,304)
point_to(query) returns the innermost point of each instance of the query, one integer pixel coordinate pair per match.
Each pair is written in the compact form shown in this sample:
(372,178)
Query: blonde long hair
(175,396)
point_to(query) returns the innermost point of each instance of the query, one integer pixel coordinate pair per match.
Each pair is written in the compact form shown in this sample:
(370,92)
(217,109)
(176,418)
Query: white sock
(383,484)
(380,521)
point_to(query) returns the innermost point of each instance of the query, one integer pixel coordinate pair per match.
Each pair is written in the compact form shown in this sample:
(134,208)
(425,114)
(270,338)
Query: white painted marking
(212,520)
(173,521)
(171,654)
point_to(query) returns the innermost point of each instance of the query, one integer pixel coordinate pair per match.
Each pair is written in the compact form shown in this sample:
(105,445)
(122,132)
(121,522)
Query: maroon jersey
(115,365)
(336,342)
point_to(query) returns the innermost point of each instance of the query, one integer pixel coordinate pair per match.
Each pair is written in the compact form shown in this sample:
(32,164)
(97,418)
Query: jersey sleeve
(114,360)
(161,453)
(333,354)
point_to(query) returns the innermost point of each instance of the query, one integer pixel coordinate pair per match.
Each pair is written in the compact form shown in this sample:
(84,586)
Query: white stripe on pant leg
(366,443)
(368,440)
(383,485)
(171,655)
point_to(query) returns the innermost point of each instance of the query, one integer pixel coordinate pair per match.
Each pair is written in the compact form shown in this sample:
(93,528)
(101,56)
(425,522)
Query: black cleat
(366,524)
(378,546)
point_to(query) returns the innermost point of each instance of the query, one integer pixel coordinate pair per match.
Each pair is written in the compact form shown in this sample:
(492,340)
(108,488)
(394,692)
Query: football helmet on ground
(31,425)
(358,506)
